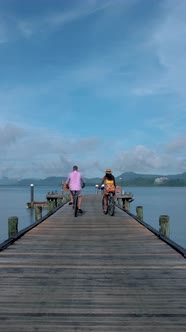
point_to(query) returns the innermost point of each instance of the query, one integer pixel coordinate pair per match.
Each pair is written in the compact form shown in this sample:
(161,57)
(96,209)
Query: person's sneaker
(80,211)
(70,203)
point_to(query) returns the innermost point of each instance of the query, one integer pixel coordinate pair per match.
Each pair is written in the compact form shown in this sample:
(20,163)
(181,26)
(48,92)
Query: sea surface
(155,201)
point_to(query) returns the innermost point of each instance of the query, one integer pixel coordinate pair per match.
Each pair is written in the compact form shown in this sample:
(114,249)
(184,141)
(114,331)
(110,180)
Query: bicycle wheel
(103,205)
(111,206)
(75,204)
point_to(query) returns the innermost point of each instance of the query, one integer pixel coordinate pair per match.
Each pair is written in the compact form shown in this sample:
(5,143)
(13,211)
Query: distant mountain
(125,179)
(177,176)
(93,181)
(132,176)
(50,181)
(6,181)
(53,181)
(134,179)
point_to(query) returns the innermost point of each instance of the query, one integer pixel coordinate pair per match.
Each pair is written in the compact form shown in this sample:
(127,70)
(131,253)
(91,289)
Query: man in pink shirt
(76,181)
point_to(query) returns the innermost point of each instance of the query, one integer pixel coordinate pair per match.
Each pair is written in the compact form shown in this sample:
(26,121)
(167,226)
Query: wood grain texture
(91,273)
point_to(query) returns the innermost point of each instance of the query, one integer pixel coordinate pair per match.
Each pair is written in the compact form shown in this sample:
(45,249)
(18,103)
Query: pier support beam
(38,212)
(51,205)
(120,202)
(59,201)
(139,212)
(12,226)
(123,203)
(126,205)
(164,225)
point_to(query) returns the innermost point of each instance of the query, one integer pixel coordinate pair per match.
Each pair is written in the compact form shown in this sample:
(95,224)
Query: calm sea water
(155,201)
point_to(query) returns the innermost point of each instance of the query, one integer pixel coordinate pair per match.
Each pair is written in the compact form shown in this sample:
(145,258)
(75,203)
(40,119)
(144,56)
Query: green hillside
(124,180)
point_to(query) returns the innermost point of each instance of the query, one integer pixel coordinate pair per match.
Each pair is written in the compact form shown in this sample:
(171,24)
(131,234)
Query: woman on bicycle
(109,185)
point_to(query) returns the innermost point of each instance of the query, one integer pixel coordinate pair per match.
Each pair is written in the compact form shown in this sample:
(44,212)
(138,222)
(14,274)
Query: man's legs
(71,198)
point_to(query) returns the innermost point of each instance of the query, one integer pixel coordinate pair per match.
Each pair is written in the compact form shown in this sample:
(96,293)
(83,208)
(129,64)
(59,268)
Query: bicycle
(110,203)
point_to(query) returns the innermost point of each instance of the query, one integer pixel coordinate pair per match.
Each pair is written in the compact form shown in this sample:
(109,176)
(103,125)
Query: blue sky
(97,83)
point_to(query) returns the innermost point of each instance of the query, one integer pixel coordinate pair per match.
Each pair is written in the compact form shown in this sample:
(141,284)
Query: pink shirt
(75,180)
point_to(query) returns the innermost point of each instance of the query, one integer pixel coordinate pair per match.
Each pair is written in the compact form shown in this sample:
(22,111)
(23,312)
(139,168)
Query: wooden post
(51,205)
(123,202)
(164,225)
(38,212)
(32,194)
(65,198)
(127,205)
(139,212)
(120,202)
(59,201)
(12,226)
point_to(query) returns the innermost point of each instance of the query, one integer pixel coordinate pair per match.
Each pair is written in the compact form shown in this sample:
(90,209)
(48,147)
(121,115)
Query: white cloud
(117,72)
(10,135)
(139,159)
(15,27)
(42,153)
(177,146)
(168,43)
(160,160)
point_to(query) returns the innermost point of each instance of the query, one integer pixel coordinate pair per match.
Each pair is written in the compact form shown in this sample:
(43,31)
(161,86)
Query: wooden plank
(91,273)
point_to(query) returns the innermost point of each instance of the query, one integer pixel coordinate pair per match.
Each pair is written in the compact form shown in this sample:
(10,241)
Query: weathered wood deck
(91,273)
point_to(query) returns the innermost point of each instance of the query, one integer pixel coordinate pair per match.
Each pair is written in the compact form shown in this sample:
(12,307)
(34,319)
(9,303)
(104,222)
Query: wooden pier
(54,196)
(91,273)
